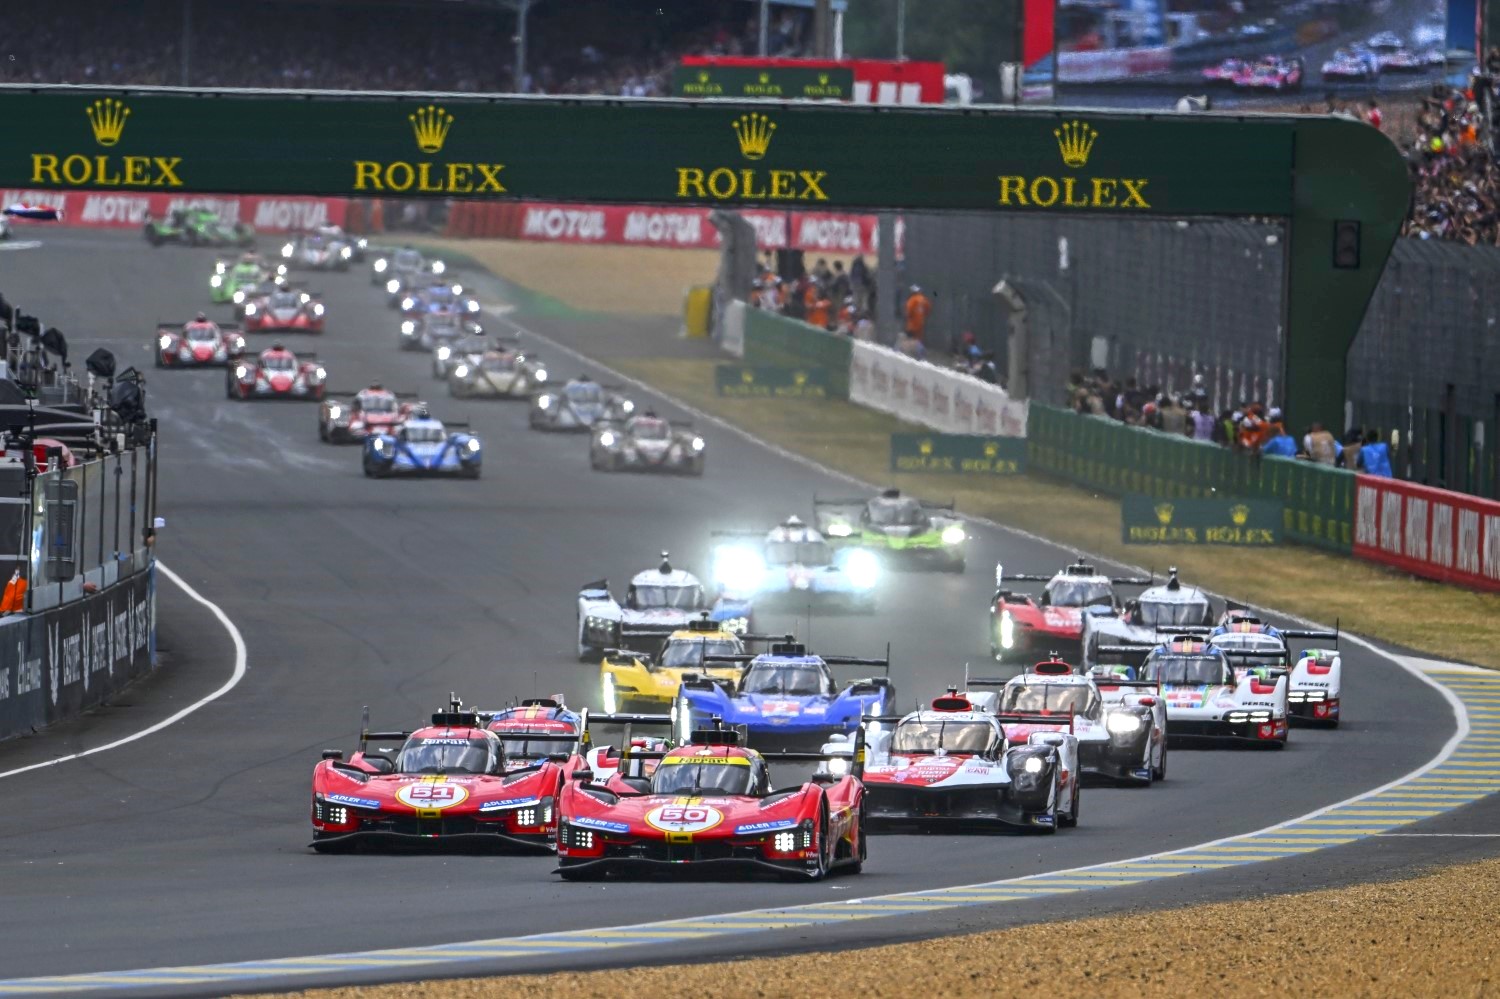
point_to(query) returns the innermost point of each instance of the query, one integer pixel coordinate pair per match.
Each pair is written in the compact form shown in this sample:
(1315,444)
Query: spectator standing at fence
(1280,444)
(838,286)
(1174,419)
(1354,440)
(918,310)
(986,371)
(1203,424)
(820,271)
(859,283)
(845,324)
(819,308)
(1320,445)
(1375,455)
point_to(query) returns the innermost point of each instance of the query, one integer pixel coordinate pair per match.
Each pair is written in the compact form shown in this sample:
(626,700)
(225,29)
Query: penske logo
(430,126)
(107,118)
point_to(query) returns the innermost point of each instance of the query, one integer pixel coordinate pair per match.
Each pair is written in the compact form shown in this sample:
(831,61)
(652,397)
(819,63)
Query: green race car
(899,529)
(232,281)
(197,227)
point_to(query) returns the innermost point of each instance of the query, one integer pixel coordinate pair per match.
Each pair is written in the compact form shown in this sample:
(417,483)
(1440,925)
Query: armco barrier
(1102,454)
(778,341)
(1433,533)
(58,663)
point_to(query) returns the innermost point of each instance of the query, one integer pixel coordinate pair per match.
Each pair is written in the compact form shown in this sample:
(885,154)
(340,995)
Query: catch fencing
(1162,301)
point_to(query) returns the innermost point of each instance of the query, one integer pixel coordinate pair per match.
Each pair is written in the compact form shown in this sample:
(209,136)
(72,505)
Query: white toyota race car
(658,602)
(1210,698)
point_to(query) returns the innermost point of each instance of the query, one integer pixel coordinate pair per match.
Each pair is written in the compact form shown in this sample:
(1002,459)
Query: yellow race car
(630,679)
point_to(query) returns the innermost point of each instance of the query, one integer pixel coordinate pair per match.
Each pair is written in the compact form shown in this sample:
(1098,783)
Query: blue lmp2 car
(786,699)
(423,446)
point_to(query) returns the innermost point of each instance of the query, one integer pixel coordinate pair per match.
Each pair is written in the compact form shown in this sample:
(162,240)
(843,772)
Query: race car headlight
(320,374)
(462,371)
(627,406)
(250,309)
(862,568)
(739,569)
(407,303)
(526,817)
(1033,765)
(281,270)
(1007,630)
(220,267)
(240,371)
(239,298)
(164,341)
(362,243)
(541,374)
(458,289)
(317,308)
(471,305)
(378,444)
(1120,723)
(607,439)
(334,412)
(381,265)
(335,815)
(444,352)
(698,444)
(346,252)
(438,267)
(838,766)
(304,298)
(286,249)
(839,530)
(611,699)
(408,328)
(544,402)
(785,842)
(216,281)
(953,535)
(473,445)
(393,286)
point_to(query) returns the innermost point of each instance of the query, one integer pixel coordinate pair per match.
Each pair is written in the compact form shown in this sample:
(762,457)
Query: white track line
(230,684)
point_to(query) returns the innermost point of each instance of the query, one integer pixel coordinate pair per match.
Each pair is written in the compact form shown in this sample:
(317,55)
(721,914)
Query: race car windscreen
(423,755)
(948,736)
(408,260)
(284,300)
(796,679)
(1079,592)
(499,362)
(424,434)
(519,746)
(1190,670)
(649,430)
(377,402)
(691,652)
(701,778)
(900,513)
(798,553)
(674,597)
(1162,614)
(279,362)
(202,331)
(1051,698)
(587,392)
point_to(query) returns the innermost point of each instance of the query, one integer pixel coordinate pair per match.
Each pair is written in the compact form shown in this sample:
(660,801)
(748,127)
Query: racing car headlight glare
(739,569)
(472,305)
(953,535)
(462,371)
(381,265)
(164,341)
(862,568)
(304,298)
(838,766)
(378,444)
(408,327)
(317,308)
(473,445)
(611,700)
(281,270)
(698,444)
(286,249)
(607,439)
(393,286)
(216,281)
(220,267)
(541,374)
(250,309)
(544,402)
(1033,765)
(346,252)
(458,289)
(336,815)
(407,303)
(320,373)
(438,267)
(240,371)
(444,352)
(1120,723)
(1007,630)
(627,406)
(583,838)
(334,412)
(526,817)
(239,298)
(785,842)
(839,530)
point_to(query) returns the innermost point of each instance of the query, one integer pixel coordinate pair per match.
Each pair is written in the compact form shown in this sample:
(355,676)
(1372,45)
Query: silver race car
(578,405)
(646,443)
(1160,609)
(466,350)
(502,373)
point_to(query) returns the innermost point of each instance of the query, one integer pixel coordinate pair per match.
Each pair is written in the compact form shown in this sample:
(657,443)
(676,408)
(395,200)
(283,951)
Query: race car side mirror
(583,775)
(333,754)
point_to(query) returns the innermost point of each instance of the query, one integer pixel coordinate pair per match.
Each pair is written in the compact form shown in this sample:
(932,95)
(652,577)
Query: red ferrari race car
(284,310)
(448,785)
(1026,626)
(1223,73)
(201,343)
(1270,73)
(277,373)
(710,804)
(350,417)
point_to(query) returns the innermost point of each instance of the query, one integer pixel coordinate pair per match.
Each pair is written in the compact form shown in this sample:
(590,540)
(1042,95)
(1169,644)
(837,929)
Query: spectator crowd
(1252,428)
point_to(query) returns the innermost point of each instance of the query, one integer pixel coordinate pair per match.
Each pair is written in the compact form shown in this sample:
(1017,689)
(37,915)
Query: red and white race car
(200,343)
(448,785)
(350,417)
(710,804)
(277,373)
(1223,72)
(284,310)
(1270,73)
(1024,625)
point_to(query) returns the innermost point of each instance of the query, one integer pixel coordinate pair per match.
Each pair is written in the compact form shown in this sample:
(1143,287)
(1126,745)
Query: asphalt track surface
(190,846)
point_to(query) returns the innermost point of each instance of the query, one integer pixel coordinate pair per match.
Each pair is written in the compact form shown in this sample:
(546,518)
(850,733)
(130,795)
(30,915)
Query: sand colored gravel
(1427,936)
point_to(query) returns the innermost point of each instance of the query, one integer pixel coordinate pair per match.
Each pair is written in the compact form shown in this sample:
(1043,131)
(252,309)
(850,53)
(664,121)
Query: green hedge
(1103,454)
(778,341)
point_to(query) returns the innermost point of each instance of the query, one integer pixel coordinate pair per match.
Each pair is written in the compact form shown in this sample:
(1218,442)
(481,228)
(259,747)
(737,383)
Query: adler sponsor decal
(572,224)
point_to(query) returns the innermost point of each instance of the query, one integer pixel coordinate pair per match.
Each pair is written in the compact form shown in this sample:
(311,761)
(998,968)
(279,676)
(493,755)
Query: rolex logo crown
(925,447)
(1239,513)
(431,126)
(754,132)
(107,119)
(1164,513)
(1075,140)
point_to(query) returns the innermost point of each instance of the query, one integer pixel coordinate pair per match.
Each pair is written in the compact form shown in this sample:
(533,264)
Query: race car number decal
(435,796)
(781,707)
(684,818)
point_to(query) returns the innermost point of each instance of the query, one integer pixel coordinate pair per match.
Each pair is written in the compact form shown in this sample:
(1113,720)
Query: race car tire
(696,469)
(322,431)
(1159,772)
(1070,820)
(337,847)
(587,652)
(471,472)
(825,847)
(577,874)
(956,566)
(229,389)
(863,853)
(159,362)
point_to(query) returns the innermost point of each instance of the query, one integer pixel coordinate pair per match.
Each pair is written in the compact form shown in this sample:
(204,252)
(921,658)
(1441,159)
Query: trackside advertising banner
(58,663)
(101,210)
(1428,532)
(683,228)
(935,397)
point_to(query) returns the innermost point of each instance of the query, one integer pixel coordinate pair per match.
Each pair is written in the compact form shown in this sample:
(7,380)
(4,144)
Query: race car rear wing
(1030,577)
(1125,649)
(1031,718)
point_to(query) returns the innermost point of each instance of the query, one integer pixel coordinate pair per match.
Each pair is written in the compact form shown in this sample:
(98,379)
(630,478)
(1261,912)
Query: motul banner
(98,209)
(1433,533)
(685,228)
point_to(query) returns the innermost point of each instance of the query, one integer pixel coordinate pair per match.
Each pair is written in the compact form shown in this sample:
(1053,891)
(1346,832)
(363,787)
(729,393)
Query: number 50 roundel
(684,818)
